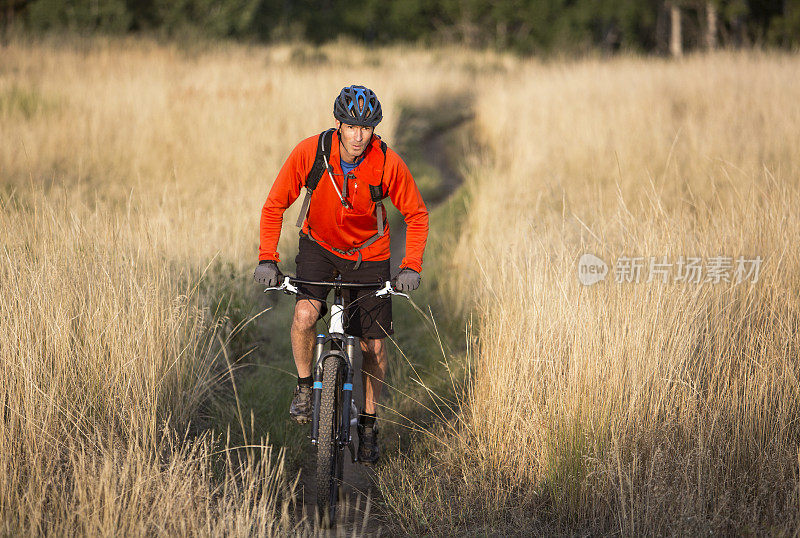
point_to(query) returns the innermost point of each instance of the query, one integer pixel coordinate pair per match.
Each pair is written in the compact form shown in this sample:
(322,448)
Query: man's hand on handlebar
(267,272)
(407,280)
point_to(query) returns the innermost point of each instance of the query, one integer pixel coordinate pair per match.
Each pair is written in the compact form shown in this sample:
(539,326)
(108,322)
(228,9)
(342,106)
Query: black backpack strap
(317,170)
(377,194)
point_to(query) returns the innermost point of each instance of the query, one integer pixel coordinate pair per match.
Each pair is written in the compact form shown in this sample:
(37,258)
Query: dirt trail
(424,138)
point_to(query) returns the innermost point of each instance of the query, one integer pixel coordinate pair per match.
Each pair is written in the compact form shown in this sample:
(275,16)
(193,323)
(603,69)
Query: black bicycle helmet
(357,105)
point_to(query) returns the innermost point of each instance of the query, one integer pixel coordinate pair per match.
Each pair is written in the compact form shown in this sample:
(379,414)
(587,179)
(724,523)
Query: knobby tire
(329,456)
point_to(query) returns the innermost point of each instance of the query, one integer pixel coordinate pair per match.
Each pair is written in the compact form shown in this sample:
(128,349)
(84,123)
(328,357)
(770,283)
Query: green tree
(785,27)
(79,15)
(526,26)
(214,18)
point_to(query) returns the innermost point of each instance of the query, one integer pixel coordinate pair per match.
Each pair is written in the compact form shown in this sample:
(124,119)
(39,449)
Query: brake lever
(287,287)
(388,290)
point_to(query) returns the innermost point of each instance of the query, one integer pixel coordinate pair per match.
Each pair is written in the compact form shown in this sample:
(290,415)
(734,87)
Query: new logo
(591,269)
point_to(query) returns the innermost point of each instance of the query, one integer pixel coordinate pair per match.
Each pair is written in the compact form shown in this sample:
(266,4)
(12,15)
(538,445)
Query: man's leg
(303,335)
(373,371)
(306,312)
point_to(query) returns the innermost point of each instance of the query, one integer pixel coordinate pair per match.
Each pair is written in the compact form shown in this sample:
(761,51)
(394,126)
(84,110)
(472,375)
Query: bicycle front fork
(316,392)
(347,392)
(347,389)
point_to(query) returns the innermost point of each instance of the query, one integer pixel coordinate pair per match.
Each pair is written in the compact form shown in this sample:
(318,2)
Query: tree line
(524,26)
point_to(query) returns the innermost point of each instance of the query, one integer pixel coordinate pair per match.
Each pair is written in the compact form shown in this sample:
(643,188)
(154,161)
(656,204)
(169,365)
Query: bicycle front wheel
(328,454)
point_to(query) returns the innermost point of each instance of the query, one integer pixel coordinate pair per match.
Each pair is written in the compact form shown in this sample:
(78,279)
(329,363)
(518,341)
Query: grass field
(631,408)
(132,175)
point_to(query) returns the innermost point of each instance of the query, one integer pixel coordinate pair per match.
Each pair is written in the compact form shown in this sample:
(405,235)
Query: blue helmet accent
(357,105)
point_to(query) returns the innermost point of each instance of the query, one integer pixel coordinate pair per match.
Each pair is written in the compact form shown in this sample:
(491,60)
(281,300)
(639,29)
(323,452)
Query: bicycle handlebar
(288,286)
(333,284)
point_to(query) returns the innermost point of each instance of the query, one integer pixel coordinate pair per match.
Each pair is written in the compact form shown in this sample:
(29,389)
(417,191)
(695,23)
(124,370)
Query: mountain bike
(332,391)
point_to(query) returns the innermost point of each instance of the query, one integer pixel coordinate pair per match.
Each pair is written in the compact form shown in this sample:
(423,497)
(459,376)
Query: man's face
(354,140)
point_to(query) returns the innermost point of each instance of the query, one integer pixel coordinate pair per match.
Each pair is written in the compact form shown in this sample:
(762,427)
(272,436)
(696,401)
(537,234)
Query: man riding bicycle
(349,170)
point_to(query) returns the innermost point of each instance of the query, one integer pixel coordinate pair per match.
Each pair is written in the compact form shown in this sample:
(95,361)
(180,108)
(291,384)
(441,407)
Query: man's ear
(338,125)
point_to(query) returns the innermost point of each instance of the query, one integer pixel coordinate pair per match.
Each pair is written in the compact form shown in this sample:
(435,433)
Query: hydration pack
(319,168)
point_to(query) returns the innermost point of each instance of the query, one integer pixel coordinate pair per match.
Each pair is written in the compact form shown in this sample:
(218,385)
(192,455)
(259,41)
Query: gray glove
(268,273)
(407,280)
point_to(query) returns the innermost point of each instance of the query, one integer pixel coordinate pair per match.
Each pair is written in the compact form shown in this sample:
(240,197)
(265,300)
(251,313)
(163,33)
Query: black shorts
(367,316)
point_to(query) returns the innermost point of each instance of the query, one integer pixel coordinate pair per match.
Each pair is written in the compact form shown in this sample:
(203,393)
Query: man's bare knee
(305,315)
(372,348)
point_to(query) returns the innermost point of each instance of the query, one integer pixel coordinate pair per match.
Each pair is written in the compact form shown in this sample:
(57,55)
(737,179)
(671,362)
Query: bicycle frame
(342,345)
(343,349)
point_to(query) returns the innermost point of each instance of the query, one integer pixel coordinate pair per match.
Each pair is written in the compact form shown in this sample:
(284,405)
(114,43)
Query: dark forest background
(524,26)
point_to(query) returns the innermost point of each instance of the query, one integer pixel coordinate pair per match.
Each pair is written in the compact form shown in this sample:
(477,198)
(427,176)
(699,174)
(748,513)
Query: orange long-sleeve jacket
(332,224)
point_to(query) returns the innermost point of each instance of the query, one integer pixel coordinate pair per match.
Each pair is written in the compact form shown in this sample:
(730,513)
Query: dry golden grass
(132,179)
(108,349)
(644,408)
